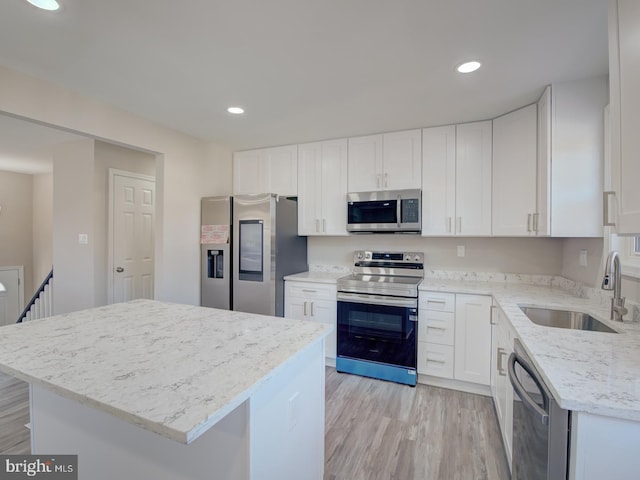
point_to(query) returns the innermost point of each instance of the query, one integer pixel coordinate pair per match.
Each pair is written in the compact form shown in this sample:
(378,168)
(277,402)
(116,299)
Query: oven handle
(377,300)
(523,394)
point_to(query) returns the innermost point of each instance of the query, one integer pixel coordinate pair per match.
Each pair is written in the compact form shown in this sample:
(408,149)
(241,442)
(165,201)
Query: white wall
(16,225)
(180,183)
(73,191)
(42,228)
(505,255)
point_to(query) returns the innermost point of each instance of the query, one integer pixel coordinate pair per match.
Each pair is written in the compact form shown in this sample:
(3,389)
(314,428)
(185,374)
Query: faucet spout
(613,281)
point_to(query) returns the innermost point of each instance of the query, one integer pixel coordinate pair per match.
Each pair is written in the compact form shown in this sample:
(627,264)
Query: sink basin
(565,319)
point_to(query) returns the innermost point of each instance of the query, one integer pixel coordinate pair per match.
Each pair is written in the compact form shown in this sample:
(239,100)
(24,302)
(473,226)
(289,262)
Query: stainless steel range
(378,316)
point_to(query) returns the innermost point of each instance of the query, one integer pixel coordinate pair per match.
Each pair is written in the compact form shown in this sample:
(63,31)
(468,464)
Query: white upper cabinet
(266,170)
(473,179)
(322,182)
(456,180)
(577,146)
(624,78)
(402,160)
(390,161)
(515,173)
(543,188)
(365,163)
(438,180)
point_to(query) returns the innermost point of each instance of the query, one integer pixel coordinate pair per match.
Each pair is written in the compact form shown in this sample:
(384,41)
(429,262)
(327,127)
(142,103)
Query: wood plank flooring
(375,430)
(14,414)
(378,430)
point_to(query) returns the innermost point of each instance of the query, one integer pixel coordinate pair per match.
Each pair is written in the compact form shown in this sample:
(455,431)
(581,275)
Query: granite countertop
(316,277)
(592,372)
(173,369)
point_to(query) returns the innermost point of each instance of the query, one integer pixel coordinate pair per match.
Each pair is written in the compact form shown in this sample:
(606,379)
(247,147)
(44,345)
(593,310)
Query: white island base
(276,433)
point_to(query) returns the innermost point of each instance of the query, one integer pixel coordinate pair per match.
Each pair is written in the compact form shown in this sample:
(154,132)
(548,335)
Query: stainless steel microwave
(391,211)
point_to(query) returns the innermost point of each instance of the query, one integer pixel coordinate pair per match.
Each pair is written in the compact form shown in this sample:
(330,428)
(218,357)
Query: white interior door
(11,294)
(133,213)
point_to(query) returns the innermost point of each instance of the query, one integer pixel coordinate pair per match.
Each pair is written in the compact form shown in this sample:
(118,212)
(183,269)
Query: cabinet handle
(317,225)
(501,353)
(449,225)
(459,228)
(436,301)
(528,222)
(433,360)
(305,309)
(324,225)
(435,328)
(386,179)
(308,291)
(378,180)
(605,209)
(493,308)
(535,222)
(312,309)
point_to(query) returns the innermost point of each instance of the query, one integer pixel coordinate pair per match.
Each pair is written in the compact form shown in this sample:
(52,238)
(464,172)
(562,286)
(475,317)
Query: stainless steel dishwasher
(540,426)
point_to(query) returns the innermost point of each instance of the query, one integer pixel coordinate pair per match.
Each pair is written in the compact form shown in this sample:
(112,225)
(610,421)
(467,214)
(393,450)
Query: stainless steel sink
(565,319)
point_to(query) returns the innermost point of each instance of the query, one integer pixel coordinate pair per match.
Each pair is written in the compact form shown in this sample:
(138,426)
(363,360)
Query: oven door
(377,328)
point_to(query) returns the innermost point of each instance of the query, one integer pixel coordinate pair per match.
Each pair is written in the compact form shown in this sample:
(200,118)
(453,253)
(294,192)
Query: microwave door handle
(540,412)
(399,210)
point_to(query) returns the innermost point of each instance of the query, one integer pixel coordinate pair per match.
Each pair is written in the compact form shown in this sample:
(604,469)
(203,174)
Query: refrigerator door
(254,247)
(216,258)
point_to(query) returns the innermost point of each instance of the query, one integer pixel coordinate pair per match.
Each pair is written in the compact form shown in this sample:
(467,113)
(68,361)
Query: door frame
(20,269)
(114,172)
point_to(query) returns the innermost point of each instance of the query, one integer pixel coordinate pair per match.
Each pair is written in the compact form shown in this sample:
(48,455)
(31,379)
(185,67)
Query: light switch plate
(583,258)
(83,238)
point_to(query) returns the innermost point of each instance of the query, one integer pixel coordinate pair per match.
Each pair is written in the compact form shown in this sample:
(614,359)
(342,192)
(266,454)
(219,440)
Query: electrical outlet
(583,258)
(83,238)
(461,251)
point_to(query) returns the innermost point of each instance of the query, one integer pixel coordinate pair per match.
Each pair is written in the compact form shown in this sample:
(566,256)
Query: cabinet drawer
(444,302)
(436,327)
(436,360)
(310,291)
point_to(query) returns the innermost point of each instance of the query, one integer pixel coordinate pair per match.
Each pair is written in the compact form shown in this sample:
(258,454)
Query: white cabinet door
(310,186)
(295,307)
(326,311)
(402,160)
(438,180)
(473,179)
(322,181)
(514,172)
(333,197)
(365,163)
(266,170)
(543,188)
(283,170)
(624,78)
(473,339)
(249,172)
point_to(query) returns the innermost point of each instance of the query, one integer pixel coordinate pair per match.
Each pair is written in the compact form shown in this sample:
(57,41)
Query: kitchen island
(146,389)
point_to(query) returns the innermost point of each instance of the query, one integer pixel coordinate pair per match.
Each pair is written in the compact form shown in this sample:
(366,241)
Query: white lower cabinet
(315,302)
(454,336)
(501,390)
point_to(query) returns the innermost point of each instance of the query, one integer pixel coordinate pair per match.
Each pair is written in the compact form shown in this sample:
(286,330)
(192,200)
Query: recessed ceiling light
(235,110)
(468,67)
(50,5)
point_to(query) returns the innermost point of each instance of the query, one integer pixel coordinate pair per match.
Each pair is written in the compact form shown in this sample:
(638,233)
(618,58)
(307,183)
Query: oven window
(378,333)
(380,211)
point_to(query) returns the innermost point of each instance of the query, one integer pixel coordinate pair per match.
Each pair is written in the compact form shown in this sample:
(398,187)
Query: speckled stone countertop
(587,371)
(173,369)
(316,277)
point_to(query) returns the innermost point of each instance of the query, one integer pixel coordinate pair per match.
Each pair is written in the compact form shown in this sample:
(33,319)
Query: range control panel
(396,257)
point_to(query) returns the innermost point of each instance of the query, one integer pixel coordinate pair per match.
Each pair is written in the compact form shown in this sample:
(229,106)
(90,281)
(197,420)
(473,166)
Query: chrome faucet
(612,281)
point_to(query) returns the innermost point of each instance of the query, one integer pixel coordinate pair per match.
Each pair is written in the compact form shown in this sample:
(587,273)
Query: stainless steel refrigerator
(263,247)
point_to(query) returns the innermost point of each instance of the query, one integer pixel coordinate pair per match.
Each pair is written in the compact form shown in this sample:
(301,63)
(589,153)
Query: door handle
(305,309)
(119,269)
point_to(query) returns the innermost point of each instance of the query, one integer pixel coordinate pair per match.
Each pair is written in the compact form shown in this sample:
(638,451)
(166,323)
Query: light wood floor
(14,414)
(375,430)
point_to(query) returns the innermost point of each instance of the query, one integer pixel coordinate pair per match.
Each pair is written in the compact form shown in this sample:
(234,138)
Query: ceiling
(306,69)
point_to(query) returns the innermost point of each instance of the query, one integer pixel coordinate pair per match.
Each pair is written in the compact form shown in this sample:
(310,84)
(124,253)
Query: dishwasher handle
(542,413)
